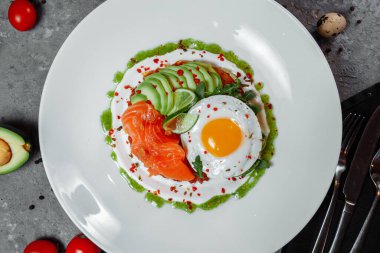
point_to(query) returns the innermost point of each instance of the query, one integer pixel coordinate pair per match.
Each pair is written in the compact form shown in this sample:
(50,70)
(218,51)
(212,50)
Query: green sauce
(256,171)
(106,119)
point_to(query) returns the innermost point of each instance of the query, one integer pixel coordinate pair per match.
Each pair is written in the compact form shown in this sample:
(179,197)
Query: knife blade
(356,175)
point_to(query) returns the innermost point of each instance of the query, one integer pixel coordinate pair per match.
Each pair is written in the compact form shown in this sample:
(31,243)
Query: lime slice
(184,99)
(180,123)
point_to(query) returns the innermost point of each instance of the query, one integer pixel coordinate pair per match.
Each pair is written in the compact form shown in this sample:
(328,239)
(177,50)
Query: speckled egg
(331,24)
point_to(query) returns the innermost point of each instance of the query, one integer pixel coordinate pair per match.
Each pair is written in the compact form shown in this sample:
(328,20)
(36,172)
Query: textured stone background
(25,58)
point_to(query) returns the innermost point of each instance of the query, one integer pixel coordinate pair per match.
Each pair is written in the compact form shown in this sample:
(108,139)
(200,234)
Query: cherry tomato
(81,244)
(22,15)
(41,246)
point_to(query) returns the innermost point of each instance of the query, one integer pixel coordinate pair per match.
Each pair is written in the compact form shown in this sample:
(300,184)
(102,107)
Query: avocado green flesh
(161,93)
(174,73)
(211,85)
(138,98)
(151,93)
(173,80)
(168,90)
(187,74)
(19,148)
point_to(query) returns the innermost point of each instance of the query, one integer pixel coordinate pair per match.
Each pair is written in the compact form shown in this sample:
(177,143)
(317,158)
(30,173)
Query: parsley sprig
(198,166)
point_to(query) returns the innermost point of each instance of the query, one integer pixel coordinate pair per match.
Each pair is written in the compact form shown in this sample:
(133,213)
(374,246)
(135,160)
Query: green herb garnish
(197,164)
(200,90)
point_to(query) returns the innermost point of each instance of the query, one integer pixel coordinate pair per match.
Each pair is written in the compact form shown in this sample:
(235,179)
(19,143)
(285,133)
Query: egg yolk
(221,137)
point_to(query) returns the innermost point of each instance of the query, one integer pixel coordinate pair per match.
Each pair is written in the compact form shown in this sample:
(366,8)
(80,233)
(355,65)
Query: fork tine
(347,119)
(352,132)
(347,126)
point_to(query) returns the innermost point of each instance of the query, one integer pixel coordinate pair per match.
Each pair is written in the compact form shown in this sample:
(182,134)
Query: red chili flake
(180,72)
(139,81)
(249,156)
(166,60)
(185,193)
(142,66)
(148,190)
(129,103)
(175,191)
(207,170)
(189,140)
(170,199)
(196,80)
(222,59)
(249,75)
(127,87)
(138,91)
(166,93)
(127,142)
(204,51)
(223,190)
(270,106)
(161,65)
(233,178)
(118,117)
(229,178)
(147,68)
(194,75)
(158,191)
(188,133)
(116,94)
(183,200)
(208,105)
(246,116)
(199,110)
(149,102)
(172,188)
(181,83)
(195,188)
(156,60)
(139,70)
(197,68)
(215,108)
(208,116)
(238,74)
(205,152)
(132,168)
(111,131)
(198,194)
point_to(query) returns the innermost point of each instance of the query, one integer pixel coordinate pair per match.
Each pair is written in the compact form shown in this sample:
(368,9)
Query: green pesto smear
(253,174)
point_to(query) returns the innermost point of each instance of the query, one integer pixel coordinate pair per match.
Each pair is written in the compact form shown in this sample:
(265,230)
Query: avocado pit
(5,152)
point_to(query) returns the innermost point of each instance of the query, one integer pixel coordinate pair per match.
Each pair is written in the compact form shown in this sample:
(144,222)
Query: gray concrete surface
(25,59)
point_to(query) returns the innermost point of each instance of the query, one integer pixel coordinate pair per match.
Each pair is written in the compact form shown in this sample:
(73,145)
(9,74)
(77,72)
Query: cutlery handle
(358,245)
(323,233)
(343,225)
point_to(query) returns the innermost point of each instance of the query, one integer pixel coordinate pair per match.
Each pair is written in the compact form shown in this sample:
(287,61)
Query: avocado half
(14,150)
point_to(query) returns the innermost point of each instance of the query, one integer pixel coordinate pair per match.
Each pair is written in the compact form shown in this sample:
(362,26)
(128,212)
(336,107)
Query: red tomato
(41,246)
(81,244)
(22,15)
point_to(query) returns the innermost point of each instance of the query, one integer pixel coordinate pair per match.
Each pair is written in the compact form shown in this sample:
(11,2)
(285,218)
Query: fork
(374,171)
(351,126)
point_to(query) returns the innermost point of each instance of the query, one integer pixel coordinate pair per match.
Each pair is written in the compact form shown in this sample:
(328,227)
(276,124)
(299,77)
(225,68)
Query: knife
(356,175)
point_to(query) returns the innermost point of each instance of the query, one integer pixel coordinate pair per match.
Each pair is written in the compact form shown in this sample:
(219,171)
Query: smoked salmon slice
(161,153)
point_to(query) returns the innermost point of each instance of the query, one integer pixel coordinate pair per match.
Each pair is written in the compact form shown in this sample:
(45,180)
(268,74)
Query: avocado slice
(187,74)
(215,76)
(196,74)
(161,92)
(168,90)
(151,93)
(14,150)
(181,80)
(137,98)
(207,77)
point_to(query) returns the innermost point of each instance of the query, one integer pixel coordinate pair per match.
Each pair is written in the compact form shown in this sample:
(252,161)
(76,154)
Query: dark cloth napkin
(365,104)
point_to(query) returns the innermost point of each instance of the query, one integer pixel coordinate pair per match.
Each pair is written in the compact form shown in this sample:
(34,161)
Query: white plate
(283,55)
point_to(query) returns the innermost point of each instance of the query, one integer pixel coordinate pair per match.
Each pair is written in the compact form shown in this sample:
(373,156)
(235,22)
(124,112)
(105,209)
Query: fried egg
(227,136)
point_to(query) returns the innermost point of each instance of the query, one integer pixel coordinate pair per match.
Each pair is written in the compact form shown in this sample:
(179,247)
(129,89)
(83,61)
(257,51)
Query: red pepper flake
(110,132)
(189,140)
(142,66)
(116,94)
(129,103)
(208,116)
(172,188)
(166,93)
(139,70)
(118,117)
(197,68)
(139,82)
(238,74)
(205,152)
(148,190)
(158,191)
(185,193)
(223,190)
(161,65)
(195,188)
(197,81)
(183,200)
(127,142)
(246,116)
(199,110)
(233,179)
(207,170)
(132,168)
(198,194)
(270,106)
(180,72)
(204,51)
(147,68)
(208,105)
(220,57)
(138,91)
(249,156)
(170,199)
(127,87)
(156,60)
(249,75)
(194,75)
(215,108)
(149,102)
(166,60)
(229,179)
(181,83)
(188,133)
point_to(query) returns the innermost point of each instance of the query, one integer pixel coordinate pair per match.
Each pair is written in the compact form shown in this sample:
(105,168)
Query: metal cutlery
(351,126)
(356,175)
(374,171)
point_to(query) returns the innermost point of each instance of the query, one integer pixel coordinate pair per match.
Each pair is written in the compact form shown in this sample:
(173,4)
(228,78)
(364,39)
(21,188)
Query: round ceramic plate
(296,76)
